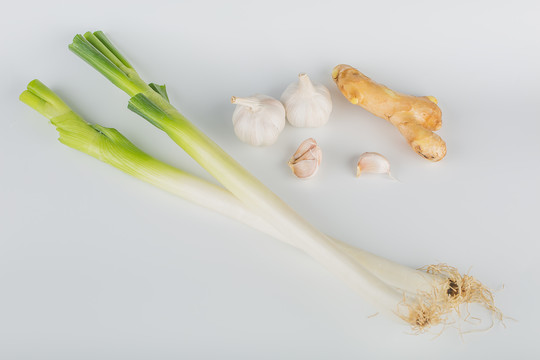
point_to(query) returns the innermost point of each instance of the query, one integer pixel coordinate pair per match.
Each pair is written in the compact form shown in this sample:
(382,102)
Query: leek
(429,299)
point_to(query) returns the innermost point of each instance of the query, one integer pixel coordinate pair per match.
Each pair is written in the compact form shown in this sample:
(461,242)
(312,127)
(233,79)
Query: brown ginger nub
(416,117)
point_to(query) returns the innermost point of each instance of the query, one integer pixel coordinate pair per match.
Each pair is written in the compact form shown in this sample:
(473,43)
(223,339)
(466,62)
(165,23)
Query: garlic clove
(258,120)
(304,169)
(306,160)
(307,104)
(372,162)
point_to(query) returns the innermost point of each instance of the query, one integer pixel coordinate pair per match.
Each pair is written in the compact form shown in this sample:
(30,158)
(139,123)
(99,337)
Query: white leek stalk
(150,102)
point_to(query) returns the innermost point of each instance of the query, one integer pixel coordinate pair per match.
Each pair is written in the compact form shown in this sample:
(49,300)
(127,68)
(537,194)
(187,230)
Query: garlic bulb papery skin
(306,160)
(307,104)
(258,120)
(372,162)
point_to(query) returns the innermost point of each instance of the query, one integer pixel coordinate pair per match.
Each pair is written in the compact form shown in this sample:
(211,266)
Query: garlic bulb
(258,119)
(306,160)
(372,162)
(307,104)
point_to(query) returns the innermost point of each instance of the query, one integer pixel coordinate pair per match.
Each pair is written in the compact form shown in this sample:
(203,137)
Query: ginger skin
(416,117)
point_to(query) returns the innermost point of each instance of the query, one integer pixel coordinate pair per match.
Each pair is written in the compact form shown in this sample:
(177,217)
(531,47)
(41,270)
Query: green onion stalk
(376,278)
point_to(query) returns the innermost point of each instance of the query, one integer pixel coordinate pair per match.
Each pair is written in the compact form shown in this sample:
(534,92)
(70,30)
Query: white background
(97,265)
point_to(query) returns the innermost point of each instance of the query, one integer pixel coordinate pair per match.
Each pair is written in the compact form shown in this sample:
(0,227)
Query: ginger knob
(416,117)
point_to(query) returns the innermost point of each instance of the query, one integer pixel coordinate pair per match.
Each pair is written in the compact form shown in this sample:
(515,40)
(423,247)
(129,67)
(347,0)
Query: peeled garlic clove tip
(392,176)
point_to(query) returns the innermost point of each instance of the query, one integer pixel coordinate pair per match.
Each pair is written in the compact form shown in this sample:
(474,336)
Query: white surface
(97,265)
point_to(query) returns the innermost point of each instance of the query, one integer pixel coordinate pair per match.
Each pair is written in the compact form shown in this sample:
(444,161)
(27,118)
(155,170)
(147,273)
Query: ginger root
(416,117)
